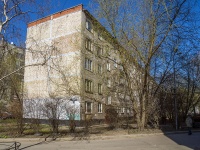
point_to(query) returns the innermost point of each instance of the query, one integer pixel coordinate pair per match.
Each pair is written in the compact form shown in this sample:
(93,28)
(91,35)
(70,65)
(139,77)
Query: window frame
(99,88)
(108,66)
(107,50)
(109,100)
(99,51)
(88,25)
(115,62)
(87,108)
(88,64)
(99,36)
(108,82)
(100,108)
(100,68)
(88,44)
(88,86)
(122,110)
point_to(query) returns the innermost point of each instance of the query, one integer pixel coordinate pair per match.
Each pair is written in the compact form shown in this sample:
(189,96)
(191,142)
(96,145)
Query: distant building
(70,58)
(12,72)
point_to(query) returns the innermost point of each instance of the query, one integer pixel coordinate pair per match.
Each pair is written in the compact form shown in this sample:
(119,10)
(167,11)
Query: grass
(8,129)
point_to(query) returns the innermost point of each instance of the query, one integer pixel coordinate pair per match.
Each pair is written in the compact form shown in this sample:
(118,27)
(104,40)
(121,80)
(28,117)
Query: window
(115,94)
(108,82)
(128,111)
(99,88)
(100,106)
(99,69)
(88,64)
(100,36)
(121,67)
(88,44)
(88,107)
(99,51)
(108,66)
(122,110)
(88,85)
(109,100)
(88,25)
(115,63)
(118,110)
(107,50)
(122,81)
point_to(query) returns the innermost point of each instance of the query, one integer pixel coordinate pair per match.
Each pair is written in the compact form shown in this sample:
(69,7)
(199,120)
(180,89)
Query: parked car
(6,115)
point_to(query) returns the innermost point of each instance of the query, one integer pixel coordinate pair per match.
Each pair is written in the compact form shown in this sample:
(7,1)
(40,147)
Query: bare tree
(13,14)
(144,32)
(53,109)
(72,112)
(32,110)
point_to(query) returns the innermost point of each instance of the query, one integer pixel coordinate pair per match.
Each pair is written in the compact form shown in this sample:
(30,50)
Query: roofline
(56,15)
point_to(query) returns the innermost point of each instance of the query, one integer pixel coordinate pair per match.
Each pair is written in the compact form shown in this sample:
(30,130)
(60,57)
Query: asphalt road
(180,141)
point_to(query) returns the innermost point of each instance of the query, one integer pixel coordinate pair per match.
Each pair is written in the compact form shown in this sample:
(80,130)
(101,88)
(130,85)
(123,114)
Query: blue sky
(56,6)
(64,4)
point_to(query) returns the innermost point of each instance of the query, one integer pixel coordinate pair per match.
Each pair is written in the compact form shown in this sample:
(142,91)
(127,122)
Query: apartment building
(69,57)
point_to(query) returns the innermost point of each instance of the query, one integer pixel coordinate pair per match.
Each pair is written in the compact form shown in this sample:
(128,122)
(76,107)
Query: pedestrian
(188,122)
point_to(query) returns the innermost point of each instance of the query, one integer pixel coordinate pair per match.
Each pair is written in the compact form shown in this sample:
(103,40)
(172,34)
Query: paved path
(179,141)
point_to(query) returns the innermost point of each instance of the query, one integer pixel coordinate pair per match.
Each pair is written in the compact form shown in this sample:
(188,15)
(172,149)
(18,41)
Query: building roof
(56,15)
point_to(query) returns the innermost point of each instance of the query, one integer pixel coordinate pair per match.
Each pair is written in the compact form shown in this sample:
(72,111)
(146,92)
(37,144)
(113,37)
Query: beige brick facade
(63,63)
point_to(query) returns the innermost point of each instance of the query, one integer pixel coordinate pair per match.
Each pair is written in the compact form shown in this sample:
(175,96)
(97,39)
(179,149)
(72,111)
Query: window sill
(88,113)
(91,31)
(89,50)
(89,70)
(100,56)
(89,92)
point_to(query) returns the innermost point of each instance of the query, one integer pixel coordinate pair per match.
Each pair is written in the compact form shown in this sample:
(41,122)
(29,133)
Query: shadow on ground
(181,137)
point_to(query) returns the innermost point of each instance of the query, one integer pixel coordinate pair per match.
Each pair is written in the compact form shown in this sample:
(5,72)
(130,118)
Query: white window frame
(108,66)
(88,25)
(99,68)
(107,50)
(108,82)
(86,107)
(99,51)
(128,111)
(122,110)
(88,64)
(88,85)
(115,62)
(109,100)
(100,36)
(88,44)
(100,108)
(99,88)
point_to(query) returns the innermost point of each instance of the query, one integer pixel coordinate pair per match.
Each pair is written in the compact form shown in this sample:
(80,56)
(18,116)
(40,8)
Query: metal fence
(9,145)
